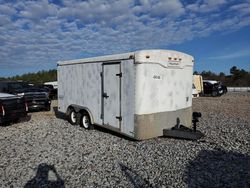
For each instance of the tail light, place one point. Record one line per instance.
(26, 107)
(2, 111)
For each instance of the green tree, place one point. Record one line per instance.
(195, 73)
(37, 78)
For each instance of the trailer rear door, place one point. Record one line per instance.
(111, 95)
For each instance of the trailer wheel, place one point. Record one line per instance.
(85, 121)
(72, 117)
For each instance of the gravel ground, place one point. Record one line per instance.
(49, 152)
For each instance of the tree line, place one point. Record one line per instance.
(36, 78)
(237, 78)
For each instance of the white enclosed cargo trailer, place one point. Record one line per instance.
(138, 94)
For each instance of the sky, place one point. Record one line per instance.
(34, 35)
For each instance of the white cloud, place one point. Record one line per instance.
(237, 54)
(42, 33)
(7, 10)
(173, 8)
(95, 10)
(35, 11)
(4, 20)
(243, 8)
(206, 5)
(166, 7)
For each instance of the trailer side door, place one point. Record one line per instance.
(111, 95)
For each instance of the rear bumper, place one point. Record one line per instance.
(34, 105)
(152, 125)
(12, 116)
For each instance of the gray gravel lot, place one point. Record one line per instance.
(49, 152)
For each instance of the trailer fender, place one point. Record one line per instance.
(78, 109)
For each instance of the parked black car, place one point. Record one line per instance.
(49, 89)
(224, 88)
(212, 88)
(36, 98)
(12, 108)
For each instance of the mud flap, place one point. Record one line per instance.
(183, 133)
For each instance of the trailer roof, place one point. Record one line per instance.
(139, 57)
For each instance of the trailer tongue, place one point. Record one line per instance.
(182, 132)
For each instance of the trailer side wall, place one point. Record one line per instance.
(80, 84)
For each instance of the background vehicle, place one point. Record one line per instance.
(36, 98)
(12, 108)
(212, 87)
(54, 84)
(49, 89)
(224, 88)
(198, 82)
(194, 92)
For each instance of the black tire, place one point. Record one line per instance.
(85, 121)
(214, 93)
(73, 117)
(16, 120)
(48, 108)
